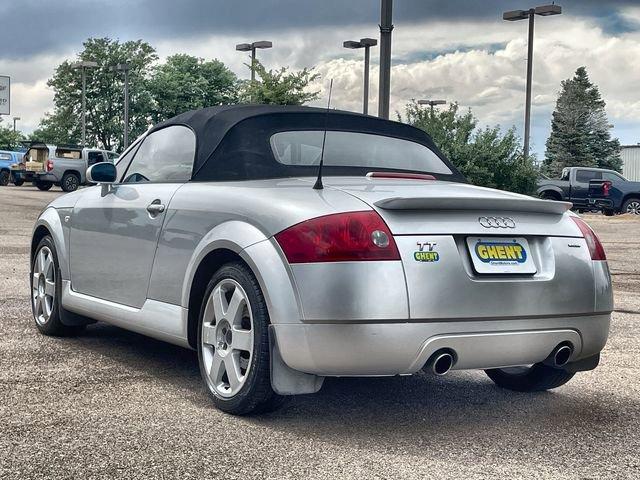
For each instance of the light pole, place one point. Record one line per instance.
(252, 47)
(386, 26)
(432, 103)
(124, 67)
(365, 43)
(512, 16)
(83, 68)
(15, 119)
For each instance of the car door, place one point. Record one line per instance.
(114, 232)
(580, 187)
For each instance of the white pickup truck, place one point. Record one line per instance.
(65, 166)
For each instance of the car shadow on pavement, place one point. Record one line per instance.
(413, 408)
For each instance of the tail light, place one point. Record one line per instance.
(342, 237)
(593, 242)
(49, 165)
(606, 186)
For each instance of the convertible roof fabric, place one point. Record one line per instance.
(232, 141)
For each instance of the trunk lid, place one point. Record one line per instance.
(445, 220)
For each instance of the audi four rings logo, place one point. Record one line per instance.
(497, 222)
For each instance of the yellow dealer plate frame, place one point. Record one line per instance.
(501, 255)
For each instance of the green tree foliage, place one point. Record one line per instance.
(487, 157)
(186, 83)
(9, 139)
(105, 94)
(580, 133)
(279, 87)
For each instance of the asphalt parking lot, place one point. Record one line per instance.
(112, 403)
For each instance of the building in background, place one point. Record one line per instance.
(631, 162)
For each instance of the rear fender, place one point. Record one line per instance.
(263, 256)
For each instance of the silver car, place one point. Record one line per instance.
(290, 244)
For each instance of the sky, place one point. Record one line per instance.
(453, 50)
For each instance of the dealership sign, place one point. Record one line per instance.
(5, 95)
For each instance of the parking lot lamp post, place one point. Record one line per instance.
(432, 103)
(365, 43)
(15, 119)
(83, 68)
(124, 67)
(384, 87)
(514, 15)
(252, 47)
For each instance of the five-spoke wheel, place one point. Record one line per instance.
(227, 338)
(233, 342)
(43, 285)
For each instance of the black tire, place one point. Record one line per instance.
(536, 378)
(4, 178)
(52, 326)
(44, 186)
(18, 183)
(608, 212)
(256, 395)
(631, 202)
(70, 182)
(549, 196)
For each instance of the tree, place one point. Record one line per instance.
(9, 139)
(104, 96)
(485, 156)
(186, 83)
(580, 133)
(279, 87)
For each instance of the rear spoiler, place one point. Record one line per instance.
(515, 204)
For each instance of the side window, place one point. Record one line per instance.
(612, 177)
(124, 161)
(584, 176)
(94, 157)
(165, 156)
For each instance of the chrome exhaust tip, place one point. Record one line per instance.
(440, 362)
(560, 355)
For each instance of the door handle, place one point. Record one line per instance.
(155, 208)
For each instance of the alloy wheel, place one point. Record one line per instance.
(43, 286)
(227, 338)
(634, 207)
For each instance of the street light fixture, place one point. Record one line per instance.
(432, 103)
(15, 119)
(124, 67)
(252, 47)
(365, 43)
(82, 66)
(514, 15)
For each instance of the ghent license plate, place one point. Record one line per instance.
(503, 255)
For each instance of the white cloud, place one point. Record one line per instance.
(483, 67)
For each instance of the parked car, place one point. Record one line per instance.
(64, 166)
(7, 159)
(215, 231)
(597, 188)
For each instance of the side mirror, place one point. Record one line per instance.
(102, 172)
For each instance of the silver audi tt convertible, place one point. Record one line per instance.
(290, 244)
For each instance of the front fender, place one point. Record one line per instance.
(262, 255)
(53, 220)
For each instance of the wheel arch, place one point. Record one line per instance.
(240, 241)
(49, 224)
(629, 196)
(556, 192)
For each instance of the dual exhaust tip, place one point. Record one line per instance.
(441, 361)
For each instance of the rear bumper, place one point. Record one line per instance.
(376, 349)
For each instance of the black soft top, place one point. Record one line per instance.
(232, 141)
